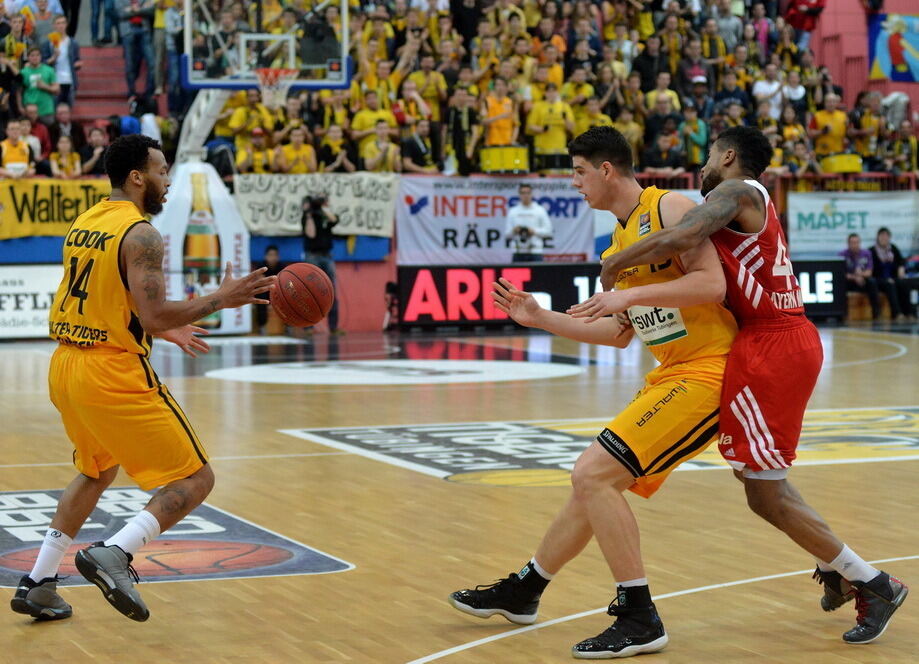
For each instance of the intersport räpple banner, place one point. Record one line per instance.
(819, 223)
(460, 221)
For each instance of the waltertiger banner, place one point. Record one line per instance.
(272, 204)
(893, 47)
(40, 206)
(819, 223)
(461, 221)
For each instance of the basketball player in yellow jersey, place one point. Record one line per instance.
(115, 409)
(675, 309)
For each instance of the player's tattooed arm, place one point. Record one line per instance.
(728, 201)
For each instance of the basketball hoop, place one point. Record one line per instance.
(274, 83)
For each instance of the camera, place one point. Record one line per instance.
(314, 204)
(524, 234)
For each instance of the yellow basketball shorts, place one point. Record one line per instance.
(117, 412)
(673, 418)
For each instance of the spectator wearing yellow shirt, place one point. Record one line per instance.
(258, 157)
(828, 128)
(16, 157)
(592, 117)
(867, 126)
(333, 111)
(901, 151)
(516, 28)
(65, 163)
(556, 71)
(524, 63)
(499, 116)
(467, 81)
(663, 89)
(801, 162)
(246, 118)
(378, 29)
(632, 131)
(380, 155)
(363, 126)
(486, 61)
(297, 157)
(577, 91)
(790, 129)
(550, 123)
(433, 89)
(694, 132)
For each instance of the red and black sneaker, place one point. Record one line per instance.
(836, 590)
(876, 602)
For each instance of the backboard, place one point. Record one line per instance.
(222, 49)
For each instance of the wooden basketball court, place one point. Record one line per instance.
(407, 513)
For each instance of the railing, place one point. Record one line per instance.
(780, 185)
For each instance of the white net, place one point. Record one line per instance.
(275, 83)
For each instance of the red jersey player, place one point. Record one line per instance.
(772, 367)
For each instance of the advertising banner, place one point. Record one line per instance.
(43, 206)
(893, 47)
(202, 230)
(438, 295)
(272, 204)
(820, 222)
(461, 221)
(26, 294)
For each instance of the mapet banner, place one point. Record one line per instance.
(819, 223)
(46, 206)
(893, 47)
(461, 221)
(202, 231)
(272, 204)
(26, 294)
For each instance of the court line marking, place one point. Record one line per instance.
(583, 614)
(292, 455)
(901, 350)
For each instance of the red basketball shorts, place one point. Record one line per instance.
(770, 374)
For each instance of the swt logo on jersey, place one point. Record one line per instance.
(657, 325)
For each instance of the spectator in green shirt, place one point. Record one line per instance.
(39, 86)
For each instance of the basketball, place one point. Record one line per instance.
(303, 295)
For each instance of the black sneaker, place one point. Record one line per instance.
(637, 630)
(40, 600)
(876, 601)
(505, 597)
(836, 590)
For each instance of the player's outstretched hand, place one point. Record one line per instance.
(186, 339)
(237, 292)
(517, 304)
(599, 305)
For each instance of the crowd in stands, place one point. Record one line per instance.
(447, 85)
(461, 86)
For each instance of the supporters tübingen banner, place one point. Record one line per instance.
(42, 206)
(461, 221)
(819, 223)
(273, 204)
(893, 47)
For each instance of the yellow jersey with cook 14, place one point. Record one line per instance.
(673, 335)
(93, 306)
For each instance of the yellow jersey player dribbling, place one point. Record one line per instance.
(114, 408)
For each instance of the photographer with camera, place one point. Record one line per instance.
(317, 222)
(527, 226)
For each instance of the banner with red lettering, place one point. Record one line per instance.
(461, 221)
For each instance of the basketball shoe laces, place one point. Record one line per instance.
(499, 585)
(861, 607)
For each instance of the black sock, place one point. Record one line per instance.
(531, 581)
(635, 597)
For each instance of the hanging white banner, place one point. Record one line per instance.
(272, 204)
(819, 223)
(194, 261)
(461, 221)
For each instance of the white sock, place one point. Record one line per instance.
(50, 555)
(633, 583)
(822, 566)
(539, 570)
(140, 530)
(852, 567)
